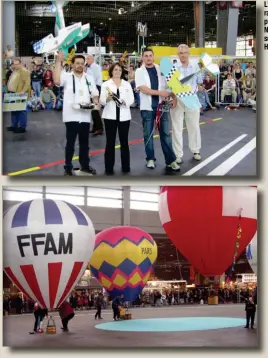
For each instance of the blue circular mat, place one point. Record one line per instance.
(173, 324)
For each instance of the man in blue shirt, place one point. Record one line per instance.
(153, 90)
(203, 99)
(117, 301)
(181, 113)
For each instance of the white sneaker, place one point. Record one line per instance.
(174, 166)
(178, 160)
(197, 156)
(150, 164)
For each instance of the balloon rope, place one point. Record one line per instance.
(238, 237)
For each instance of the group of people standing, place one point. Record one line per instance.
(116, 96)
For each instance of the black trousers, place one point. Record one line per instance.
(111, 127)
(74, 129)
(98, 313)
(250, 318)
(37, 320)
(97, 122)
(96, 118)
(116, 312)
(66, 320)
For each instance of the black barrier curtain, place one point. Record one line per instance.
(169, 23)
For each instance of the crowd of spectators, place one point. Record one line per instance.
(237, 83)
(87, 300)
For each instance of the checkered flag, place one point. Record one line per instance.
(172, 71)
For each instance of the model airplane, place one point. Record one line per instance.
(66, 37)
(179, 86)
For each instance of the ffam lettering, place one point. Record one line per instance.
(65, 246)
(146, 251)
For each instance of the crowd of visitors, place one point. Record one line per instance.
(90, 300)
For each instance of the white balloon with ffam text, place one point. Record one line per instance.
(47, 246)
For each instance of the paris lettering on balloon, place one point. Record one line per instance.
(64, 247)
(146, 251)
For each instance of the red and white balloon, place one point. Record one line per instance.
(202, 222)
(47, 246)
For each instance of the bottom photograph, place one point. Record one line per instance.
(130, 267)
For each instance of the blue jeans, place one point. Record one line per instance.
(19, 118)
(148, 118)
(36, 85)
(48, 106)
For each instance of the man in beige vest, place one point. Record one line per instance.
(19, 82)
(181, 113)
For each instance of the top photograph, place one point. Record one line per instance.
(129, 89)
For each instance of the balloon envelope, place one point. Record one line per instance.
(47, 245)
(252, 254)
(123, 260)
(202, 222)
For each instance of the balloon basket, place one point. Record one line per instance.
(213, 300)
(125, 314)
(51, 326)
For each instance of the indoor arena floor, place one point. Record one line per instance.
(85, 331)
(228, 147)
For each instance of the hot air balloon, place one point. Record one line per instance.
(203, 223)
(123, 260)
(252, 254)
(47, 245)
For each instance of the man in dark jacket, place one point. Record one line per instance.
(66, 314)
(38, 316)
(250, 312)
(117, 302)
(99, 304)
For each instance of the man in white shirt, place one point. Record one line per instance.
(250, 70)
(153, 90)
(9, 52)
(180, 112)
(95, 71)
(78, 88)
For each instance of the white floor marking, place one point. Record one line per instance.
(231, 162)
(214, 156)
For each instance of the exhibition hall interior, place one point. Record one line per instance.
(216, 138)
(178, 263)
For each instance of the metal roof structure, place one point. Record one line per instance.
(169, 23)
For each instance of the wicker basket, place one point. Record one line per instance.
(51, 326)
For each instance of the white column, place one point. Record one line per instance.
(9, 24)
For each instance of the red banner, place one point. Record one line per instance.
(192, 273)
(222, 4)
(238, 4)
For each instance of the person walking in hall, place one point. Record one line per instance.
(66, 314)
(94, 70)
(78, 88)
(99, 304)
(19, 82)
(116, 117)
(36, 78)
(181, 113)
(153, 90)
(116, 303)
(250, 309)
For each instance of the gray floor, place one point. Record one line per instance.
(83, 333)
(44, 143)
